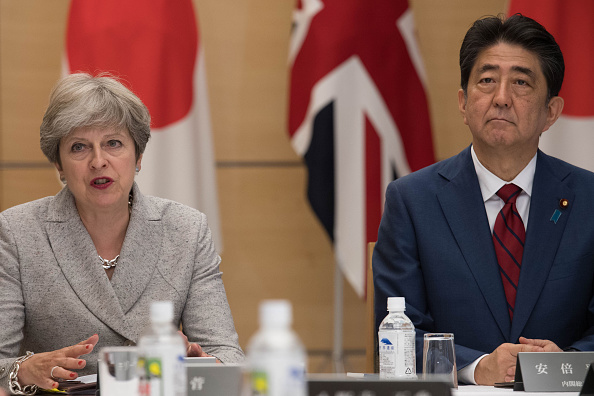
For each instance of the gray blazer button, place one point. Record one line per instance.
(129, 343)
(2, 370)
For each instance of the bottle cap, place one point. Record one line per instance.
(396, 304)
(162, 311)
(275, 313)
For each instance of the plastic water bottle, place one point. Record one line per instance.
(275, 356)
(396, 338)
(161, 353)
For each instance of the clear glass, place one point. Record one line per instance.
(439, 358)
(117, 371)
(396, 339)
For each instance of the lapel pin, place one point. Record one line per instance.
(555, 216)
(563, 204)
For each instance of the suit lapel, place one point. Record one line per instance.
(464, 209)
(542, 237)
(77, 257)
(140, 252)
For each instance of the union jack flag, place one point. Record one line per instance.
(358, 114)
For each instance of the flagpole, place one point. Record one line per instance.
(337, 351)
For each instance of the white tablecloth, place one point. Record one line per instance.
(471, 390)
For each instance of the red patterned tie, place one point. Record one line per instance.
(509, 236)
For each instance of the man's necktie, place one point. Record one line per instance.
(509, 236)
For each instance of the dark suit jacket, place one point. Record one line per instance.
(435, 248)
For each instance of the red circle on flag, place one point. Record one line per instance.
(151, 48)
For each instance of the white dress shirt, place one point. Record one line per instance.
(490, 184)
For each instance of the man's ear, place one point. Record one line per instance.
(462, 104)
(554, 109)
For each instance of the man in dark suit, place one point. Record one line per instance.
(504, 274)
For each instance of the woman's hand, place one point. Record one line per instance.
(193, 349)
(37, 370)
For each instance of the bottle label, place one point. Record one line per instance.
(259, 381)
(154, 381)
(278, 376)
(154, 370)
(397, 354)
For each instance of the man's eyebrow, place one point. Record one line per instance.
(524, 70)
(487, 67)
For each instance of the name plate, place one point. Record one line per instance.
(213, 379)
(375, 387)
(552, 371)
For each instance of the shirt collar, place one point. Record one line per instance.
(490, 184)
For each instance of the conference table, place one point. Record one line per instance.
(462, 390)
(476, 390)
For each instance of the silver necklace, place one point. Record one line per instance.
(107, 264)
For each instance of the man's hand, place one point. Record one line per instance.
(500, 365)
(546, 345)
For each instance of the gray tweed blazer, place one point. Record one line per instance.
(54, 292)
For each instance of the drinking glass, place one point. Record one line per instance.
(118, 372)
(439, 358)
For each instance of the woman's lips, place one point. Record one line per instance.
(101, 183)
